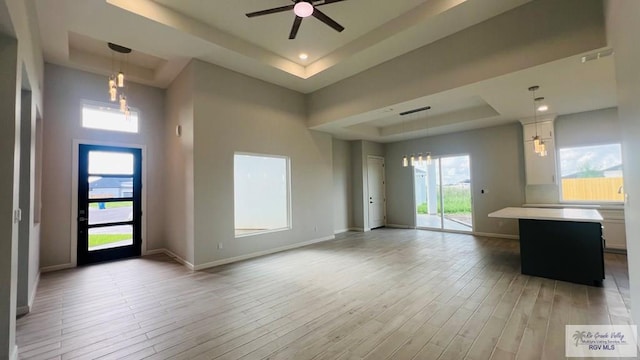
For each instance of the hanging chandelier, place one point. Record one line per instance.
(539, 146)
(116, 80)
(412, 160)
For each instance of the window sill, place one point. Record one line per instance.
(262, 232)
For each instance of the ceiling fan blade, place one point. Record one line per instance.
(295, 27)
(270, 11)
(327, 2)
(327, 20)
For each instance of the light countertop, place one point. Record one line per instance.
(558, 214)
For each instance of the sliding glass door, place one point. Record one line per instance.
(443, 194)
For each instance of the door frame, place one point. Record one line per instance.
(384, 191)
(74, 192)
(473, 211)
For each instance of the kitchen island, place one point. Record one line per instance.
(561, 244)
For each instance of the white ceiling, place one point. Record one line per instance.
(166, 34)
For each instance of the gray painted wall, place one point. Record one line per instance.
(9, 182)
(342, 186)
(587, 128)
(234, 112)
(178, 166)
(622, 20)
(497, 166)
(357, 194)
(65, 89)
(21, 63)
(29, 232)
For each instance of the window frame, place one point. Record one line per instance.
(561, 199)
(107, 106)
(287, 188)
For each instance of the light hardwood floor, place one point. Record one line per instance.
(386, 294)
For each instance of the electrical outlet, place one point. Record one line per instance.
(17, 215)
(315, 228)
(219, 245)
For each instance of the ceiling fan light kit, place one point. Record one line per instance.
(303, 9)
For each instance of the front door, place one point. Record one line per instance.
(109, 203)
(375, 184)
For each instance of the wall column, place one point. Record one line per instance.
(9, 177)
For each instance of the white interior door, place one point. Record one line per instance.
(375, 187)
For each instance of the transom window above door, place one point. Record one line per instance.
(106, 118)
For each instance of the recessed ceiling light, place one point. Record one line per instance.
(303, 56)
(543, 108)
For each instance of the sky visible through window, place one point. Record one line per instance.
(576, 160)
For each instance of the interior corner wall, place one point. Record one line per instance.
(178, 171)
(342, 186)
(497, 167)
(533, 34)
(65, 90)
(622, 21)
(237, 113)
(357, 194)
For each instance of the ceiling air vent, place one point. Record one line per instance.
(596, 55)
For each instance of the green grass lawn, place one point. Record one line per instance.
(102, 239)
(456, 201)
(113, 205)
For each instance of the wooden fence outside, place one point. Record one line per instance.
(596, 189)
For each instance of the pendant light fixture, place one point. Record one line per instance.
(412, 158)
(117, 80)
(538, 144)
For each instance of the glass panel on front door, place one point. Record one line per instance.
(109, 203)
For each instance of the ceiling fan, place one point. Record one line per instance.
(303, 9)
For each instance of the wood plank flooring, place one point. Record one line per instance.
(386, 294)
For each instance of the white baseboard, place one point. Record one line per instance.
(23, 310)
(336, 232)
(501, 236)
(261, 253)
(47, 269)
(171, 254)
(398, 226)
(34, 289)
(356, 229)
(155, 252)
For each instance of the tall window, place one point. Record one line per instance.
(106, 118)
(261, 194)
(591, 173)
